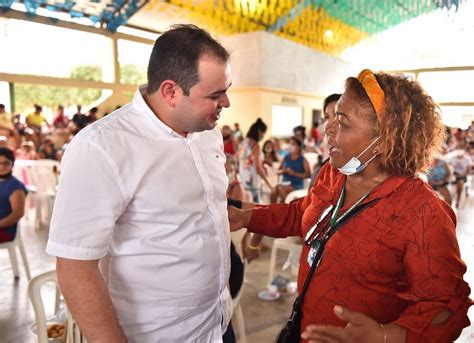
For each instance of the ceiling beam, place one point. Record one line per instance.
(19, 15)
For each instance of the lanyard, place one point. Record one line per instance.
(334, 219)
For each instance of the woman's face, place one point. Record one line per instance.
(349, 133)
(6, 165)
(329, 115)
(294, 147)
(268, 147)
(330, 112)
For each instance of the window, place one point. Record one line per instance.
(49, 97)
(133, 59)
(457, 116)
(285, 118)
(37, 49)
(5, 95)
(448, 86)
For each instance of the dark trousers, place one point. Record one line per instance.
(229, 336)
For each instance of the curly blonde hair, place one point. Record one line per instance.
(410, 125)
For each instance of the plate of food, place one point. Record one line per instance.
(268, 295)
(56, 331)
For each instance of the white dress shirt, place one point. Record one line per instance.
(151, 205)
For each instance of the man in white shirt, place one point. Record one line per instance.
(140, 220)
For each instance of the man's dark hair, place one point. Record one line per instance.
(2, 106)
(176, 54)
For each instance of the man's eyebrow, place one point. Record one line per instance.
(220, 91)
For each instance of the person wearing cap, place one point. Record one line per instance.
(390, 269)
(12, 197)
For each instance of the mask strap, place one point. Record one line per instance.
(376, 139)
(370, 160)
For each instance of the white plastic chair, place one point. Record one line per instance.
(43, 178)
(21, 170)
(273, 177)
(291, 244)
(17, 243)
(34, 291)
(312, 158)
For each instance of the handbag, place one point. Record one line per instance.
(291, 331)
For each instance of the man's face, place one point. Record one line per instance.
(200, 110)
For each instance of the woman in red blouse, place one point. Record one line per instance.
(393, 272)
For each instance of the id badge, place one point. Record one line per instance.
(313, 251)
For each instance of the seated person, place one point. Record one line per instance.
(438, 178)
(27, 151)
(295, 168)
(48, 151)
(461, 164)
(12, 197)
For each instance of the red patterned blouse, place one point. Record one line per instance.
(397, 261)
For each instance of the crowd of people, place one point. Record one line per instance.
(34, 137)
(142, 218)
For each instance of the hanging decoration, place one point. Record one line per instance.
(326, 25)
(109, 14)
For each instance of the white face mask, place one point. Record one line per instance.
(354, 166)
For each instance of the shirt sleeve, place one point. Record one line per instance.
(284, 220)
(435, 271)
(89, 201)
(278, 220)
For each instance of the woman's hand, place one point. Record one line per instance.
(359, 328)
(249, 252)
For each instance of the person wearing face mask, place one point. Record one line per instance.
(329, 110)
(12, 197)
(251, 162)
(380, 259)
(251, 173)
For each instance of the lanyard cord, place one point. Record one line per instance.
(334, 219)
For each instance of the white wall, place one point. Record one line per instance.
(266, 60)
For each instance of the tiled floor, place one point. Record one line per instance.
(263, 319)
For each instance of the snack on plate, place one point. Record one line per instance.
(55, 330)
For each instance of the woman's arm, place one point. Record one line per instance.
(434, 269)
(17, 203)
(448, 172)
(259, 166)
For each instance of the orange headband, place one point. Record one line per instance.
(373, 90)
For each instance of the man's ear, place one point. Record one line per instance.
(169, 90)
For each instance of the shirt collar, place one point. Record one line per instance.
(330, 185)
(139, 103)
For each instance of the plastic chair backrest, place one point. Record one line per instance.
(296, 194)
(34, 291)
(312, 158)
(21, 170)
(44, 175)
